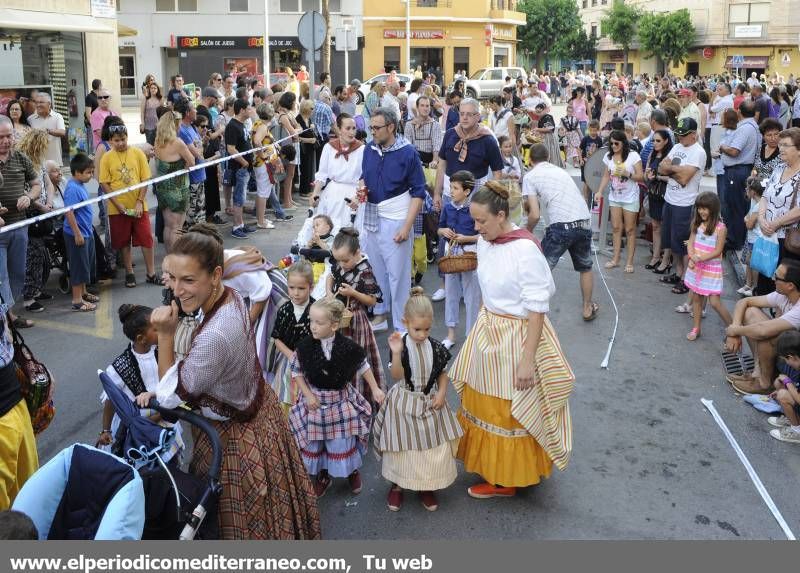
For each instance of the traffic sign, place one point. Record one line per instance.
(708, 53)
(346, 39)
(311, 30)
(737, 60)
(785, 59)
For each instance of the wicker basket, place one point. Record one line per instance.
(461, 263)
(347, 315)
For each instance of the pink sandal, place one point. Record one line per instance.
(693, 334)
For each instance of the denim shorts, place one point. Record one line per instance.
(558, 240)
(241, 177)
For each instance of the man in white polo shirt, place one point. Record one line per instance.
(52, 122)
(550, 188)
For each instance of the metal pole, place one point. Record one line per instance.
(346, 55)
(311, 94)
(408, 36)
(267, 66)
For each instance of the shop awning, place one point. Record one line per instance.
(124, 31)
(33, 20)
(747, 62)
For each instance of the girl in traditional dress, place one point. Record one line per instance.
(511, 375)
(415, 432)
(331, 419)
(292, 324)
(704, 275)
(545, 131)
(135, 372)
(572, 137)
(266, 493)
(354, 284)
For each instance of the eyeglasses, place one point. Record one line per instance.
(468, 114)
(615, 143)
(374, 128)
(103, 97)
(117, 129)
(776, 278)
(785, 146)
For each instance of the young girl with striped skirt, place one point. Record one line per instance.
(704, 275)
(354, 284)
(331, 419)
(415, 431)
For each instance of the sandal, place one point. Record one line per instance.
(83, 307)
(89, 297)
(629, 269)
(684, 308)
(670, 279)
(154, 280)
(593, 314)
(20, 322)
(611, 265)
(653, 265)
(693, 334)
(130, 280)
(680, 289)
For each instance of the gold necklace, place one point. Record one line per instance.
(125, 173)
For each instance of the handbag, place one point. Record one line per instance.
(36, 383)
(792, 241)
(764, 257)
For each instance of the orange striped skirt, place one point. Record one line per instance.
(486, 368)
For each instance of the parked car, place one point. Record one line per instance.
(488, 82)
(363, 91)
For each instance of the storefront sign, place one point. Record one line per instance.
(708, 53)
(746, 61)
(487, 35)
(415, 34)
(749, 31)
(504, 33)
(104, 9)
(617, 57)
(205, 42)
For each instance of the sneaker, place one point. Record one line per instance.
(34, 307)
(238, 234)
(438, 295)
(394, 501)
(43, 296)
(267, 225)
(322, 484)
(249, 229)
(285, 219)
(429, 501)
(379, 324)
(487, 490)
(786, 434)
(447, 343)
(217, 220)
(746, 293)
(354, 479)
(417, 278)
(778, 421)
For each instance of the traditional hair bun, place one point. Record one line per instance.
(498, 189)
(206, 229)
(350, 231)
(126, 310)
(417, 291)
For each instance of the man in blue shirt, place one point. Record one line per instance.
(196, 211)
(738, 158)
(392, 173)
(452, 113)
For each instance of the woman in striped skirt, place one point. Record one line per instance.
(511, 374)
(415, 431)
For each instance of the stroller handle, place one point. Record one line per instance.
(204, 425)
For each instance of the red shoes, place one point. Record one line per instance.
(429, 500)
(487, 490)
(394, 501)
(354, 479)
(322, 484)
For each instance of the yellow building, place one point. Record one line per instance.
(451, 34)
(730, 35)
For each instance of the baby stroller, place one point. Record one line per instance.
(87, 493)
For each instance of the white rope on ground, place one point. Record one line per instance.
(107, 196)
(752, 472)
(607, 357)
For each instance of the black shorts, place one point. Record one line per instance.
(675, 226)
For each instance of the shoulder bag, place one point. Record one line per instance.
(36, 383)
(792, 241)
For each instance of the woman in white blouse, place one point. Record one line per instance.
(511, 375)
(340, 167)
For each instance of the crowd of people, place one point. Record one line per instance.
(286, 363)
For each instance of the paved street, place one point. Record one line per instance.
(648, 462)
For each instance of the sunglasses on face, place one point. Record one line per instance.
(117, 129)
(103, 97)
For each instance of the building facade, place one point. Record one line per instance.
(198, 37)
(452, 35)
(730, 35)
(58, 46)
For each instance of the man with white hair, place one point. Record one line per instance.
(52, 122)
(100, 114)
(645, 109)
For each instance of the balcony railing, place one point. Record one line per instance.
(431, 3)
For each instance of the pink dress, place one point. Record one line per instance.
(706, 276)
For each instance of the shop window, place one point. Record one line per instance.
(176, 5)
(238, 6)
(127, 74)
(391, 57)
(461, 60)
(289, 6)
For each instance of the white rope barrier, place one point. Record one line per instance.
(134, 187)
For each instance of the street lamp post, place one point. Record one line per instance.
(408, 34)
(267, 66)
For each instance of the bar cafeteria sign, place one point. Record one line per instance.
(198, 42)
(415, 34)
